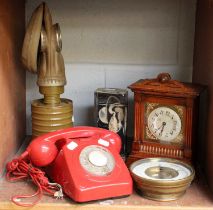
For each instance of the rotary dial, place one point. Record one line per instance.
(164, 123)
(97, 160)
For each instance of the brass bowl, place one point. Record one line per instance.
(160, 179)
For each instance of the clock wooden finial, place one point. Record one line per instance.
(164, 77)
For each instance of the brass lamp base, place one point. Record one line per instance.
(51, 117)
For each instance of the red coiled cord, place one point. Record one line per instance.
(19, 169)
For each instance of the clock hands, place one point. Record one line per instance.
(157, 129)
(163, 125)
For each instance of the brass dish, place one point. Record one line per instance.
(161, 179)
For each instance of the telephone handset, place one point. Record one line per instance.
(43, 150)
(85, 161)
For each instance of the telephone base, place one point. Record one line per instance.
(81, 180)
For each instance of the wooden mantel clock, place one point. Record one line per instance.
(165, 118)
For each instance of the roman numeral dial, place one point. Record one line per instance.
(164, 123)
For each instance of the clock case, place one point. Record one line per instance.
(163, 91)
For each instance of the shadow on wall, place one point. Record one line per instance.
(143, 32)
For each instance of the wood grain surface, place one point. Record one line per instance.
(203, 73)
(12, 78)
(196, 197)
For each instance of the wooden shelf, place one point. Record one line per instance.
(196, 197)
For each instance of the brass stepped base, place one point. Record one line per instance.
(47, 117)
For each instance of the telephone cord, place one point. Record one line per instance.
(19, 169)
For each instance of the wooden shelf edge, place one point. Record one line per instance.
(50, 206)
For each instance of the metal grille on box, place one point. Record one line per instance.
(111, 111)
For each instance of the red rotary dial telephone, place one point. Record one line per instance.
(85, 161)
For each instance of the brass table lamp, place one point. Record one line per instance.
(41, 54)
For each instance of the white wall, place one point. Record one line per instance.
(112, 43)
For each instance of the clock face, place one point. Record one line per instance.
(164, 123)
